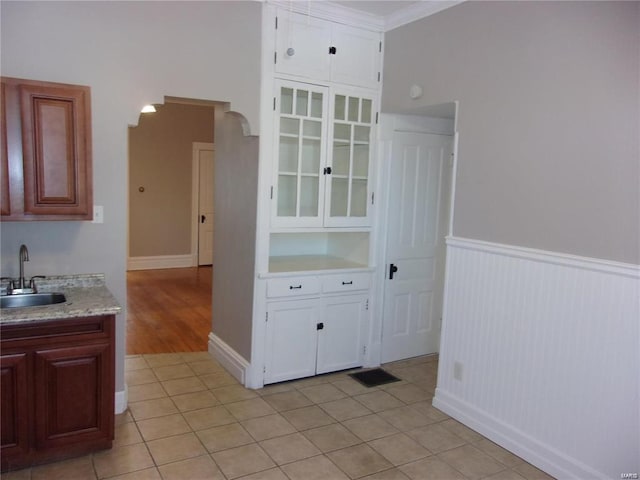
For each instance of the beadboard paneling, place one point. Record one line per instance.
(549, 350)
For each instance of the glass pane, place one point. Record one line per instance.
(339, 198)
(340, 162)
(287, 186)
(311, 128)
(309, 196)
(359, 198)
(361, 160)
(302, 101)
(354, 107)
(339, 113)
(310, 156)
(342, 131)
(288, 161)
(286, 100)
(366, 111)
(290, 126)
(361, 134)
(316, 105)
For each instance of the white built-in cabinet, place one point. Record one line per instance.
(312, 328)
(323, 154)
(321, 50)
(314, 289)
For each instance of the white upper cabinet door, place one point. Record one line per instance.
(300, 116)
(348, 191)
(302, 46)
(356, 60)
(325, 51)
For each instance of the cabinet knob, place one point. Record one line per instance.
(291, 51)
(332, 50)
(319, 326)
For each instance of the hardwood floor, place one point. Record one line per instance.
(169, 310)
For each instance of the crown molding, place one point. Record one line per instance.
(416, 12)
(333, 12)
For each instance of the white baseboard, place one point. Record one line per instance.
(231, 360)
(547, 459)
(121, 401)
(161, 261)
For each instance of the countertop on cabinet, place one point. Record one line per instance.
(86, 295)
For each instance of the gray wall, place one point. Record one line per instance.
(130, 54)
(548, 118)
(160, 161)
(234, 231)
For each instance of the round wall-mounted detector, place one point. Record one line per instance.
(415, 91)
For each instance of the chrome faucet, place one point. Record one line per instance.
(23, 256)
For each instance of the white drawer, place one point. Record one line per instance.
(292, 286)
(346, 282)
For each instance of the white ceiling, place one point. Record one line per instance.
(380, 8)
(395, 13)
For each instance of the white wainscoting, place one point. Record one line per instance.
(546, 351)
(161, 261)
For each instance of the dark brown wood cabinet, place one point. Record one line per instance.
(46, 151)
(57, 397)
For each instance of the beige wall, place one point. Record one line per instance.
(548, 118)
(160, 161)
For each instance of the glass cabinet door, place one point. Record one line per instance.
(300, 115)
(348, 186)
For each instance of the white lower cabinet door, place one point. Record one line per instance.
(341, 338)
(291, 340)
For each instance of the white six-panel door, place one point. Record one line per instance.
(418, 194)
(205, 207)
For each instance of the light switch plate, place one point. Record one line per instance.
(98, 214)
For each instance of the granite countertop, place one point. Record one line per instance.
(87, 295)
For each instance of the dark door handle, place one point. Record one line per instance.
(332, 50)
(202, 218)
(319, 326)
(392, 269)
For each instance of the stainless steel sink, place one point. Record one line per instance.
(31, 300)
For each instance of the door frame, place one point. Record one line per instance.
(195, 194)
(389, 123)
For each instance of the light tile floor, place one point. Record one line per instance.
(188, 419)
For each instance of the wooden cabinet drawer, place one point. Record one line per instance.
(346, 282)
(292, 286)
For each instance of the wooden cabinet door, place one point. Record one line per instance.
(5, 204)
(73, 395)
(341, 340)
(14, 405)
(290, 348)
(56, 150)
